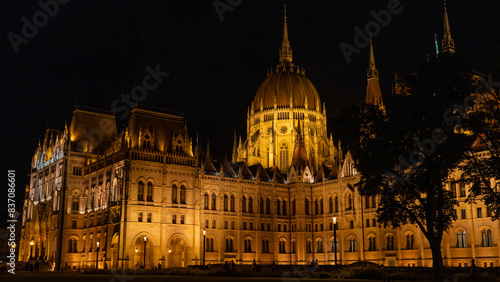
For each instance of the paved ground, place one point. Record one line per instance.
(56, 277)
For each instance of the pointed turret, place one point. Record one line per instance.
(373, 92)
(285, 50)
(448, 44)
(299, 158)
(235, 148)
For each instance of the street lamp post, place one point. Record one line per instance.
(145, 239)
(97, 257)
(32, 243)
(169, 258)
(204, 232)
(335, 239)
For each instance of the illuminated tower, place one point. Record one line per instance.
(448, 44)
(286, 97)
(373, 92)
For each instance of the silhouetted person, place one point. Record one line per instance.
(254, 266)
(473, 267)
(226, 267)
(233, 265)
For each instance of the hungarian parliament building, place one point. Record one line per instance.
(146, 196)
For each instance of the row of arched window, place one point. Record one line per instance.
(229, 204)
(282, 246)
(146, 193)
(281, 208)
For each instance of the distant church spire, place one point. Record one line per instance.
(285, 50)
(373, 92)
(448, 44)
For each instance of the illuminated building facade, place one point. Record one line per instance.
(103, 198)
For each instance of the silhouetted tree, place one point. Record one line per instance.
(408, 151)
(481, 168)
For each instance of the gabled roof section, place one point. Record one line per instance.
(259, 171)
(245, 172)
(348, 167)
(276, 174)
(227, 170)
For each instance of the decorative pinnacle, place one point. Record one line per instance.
(285, 50)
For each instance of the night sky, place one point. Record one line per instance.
(90, 52)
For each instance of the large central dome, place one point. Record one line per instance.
(286, 121)
(286, 87)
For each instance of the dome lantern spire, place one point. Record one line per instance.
(373, 92)
(448, 44)
(285, 50)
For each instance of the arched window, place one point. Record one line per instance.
(330, 204)
(316, 208)
(462, 188)
(453, 187)
(294, 207)
(390, 243)
(367, 202)
(243, 204)
(410, 239)
(336, 204)
(352, 245)
(72, 245)
(226, 204)
(206, 201)
(374, 202)
(349, 202)
(183, 195)
(372, 243)
(487, 240)
(284, 156)
(209, 245)
(294, 244)
(214, 202)
(461, 239)
(140, 191)
(321, 206)
(335, 246)
(248, 246)
(174, 194)
(250, 204)
(319, 246)
(306, 206)
(150, 192)
(278, 207)
(265, 246)
(282, 246)
(229, 245)
(283, 206)
(232, 203)
(268, 206)
(308, 246)
(261, 205)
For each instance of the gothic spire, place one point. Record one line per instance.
(448, 44)
(285, 50)
(373, 92)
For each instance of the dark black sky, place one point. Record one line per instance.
(92, 51)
